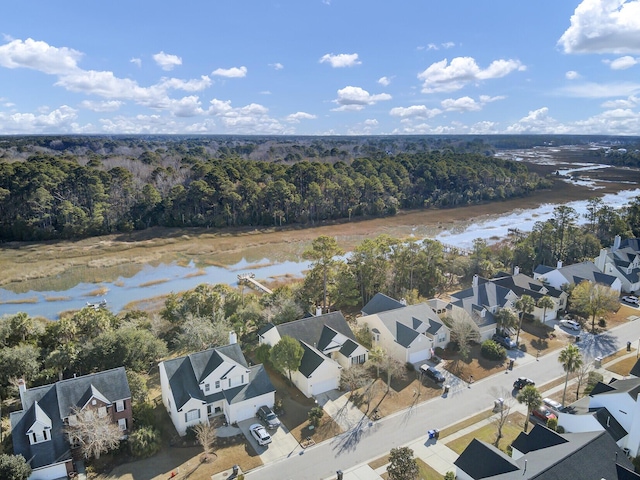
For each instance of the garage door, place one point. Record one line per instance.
(325, 386)
(420, 356)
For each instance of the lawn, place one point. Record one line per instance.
(475, 365)
(425, 472)
(511, 429)
(624, 366)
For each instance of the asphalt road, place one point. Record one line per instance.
(368, 441)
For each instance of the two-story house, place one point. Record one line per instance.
(38, 430)
(329, 346)
(217, 381)
(577, 273)
(622, 261)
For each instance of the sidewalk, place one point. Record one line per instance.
(440, 457)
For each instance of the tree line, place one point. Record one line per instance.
(63, 196)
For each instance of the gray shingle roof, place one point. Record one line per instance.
(186, 373)
(259, 384)
(58, 401)
(311, 360)
(310, 329)
(481, 460)
(635, 371)
(536, 439)
(523, 284)
(380, 303)
(403, 322)
(579, 272)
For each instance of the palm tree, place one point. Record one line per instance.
(531, 397)
(524, 305)
(506, 319)
(571, 360)
(545, 303)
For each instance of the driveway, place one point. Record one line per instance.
(283, 442)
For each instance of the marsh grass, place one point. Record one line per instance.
(98, 292)
(199, 273)
(20, 301)
(56, 299)
(153, 282)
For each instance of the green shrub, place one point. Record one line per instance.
(262, 353)
(592, 380)
(410, 367)
(552, 424)
(492, 351)
(315, 414)
(450, 476)
(143, 415)
(560, 429)
(602, 323)
(145, 442)
(636, 464)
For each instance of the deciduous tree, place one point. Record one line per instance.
(93, 431)
(594, 300)
(286, 355)
(402, 464)
(14, 467)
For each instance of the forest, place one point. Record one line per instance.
(68, 188)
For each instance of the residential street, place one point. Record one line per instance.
(371, 440)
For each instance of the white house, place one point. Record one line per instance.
(213, 382)
(408, 333)
(575, 274)
(614, 407)
(522, 284)
(622, 261)
(329, 346)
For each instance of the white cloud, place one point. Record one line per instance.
(193, 85)
(245, 120)
(372, 122)
(433, 46)
(603, 26)
(60, 120)
(107, 106)
(341, 60)
(356, 98)
(484, 128)
(601, 90)
(537, 121)
(296, 117)
(414, 111)
(166, 61)
(623, 63)
(39, 56)
(233, 72)
(136, 61)
(572, 75)
(384, 81)
(447, 77)
(630, 102)
(462, 104)
(276, 66)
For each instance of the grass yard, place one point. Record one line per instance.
(511, 429)
(475, 365)
(425, 472)
(624, 366)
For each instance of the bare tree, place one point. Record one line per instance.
(582, 375)
(354, 377)
(394, 369)
(463, 330)
(503, 404)
(206, 436)
(93, 431)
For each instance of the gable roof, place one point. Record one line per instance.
(310, 330)
(587, 270)
(311, 360)
(186, 373)
(587, 455)
(635, 370)
(407, 323)
(630, 386)
(538, 438)
(522, 284)
(381, 303)
(57, 401)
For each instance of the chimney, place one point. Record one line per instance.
(233, 338)
(318, 311)
(616, 242)
(559, 264)
(516, 270)
(475, 280)
(22, 388)
(403, 301)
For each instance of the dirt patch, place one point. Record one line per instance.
(475, 366)
(538, 339)
(624, 366)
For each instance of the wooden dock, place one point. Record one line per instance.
(249, 279)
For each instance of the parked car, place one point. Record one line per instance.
(433, 373)
(543, 414)
(570, 324)
(506, 342)
(630, 299)
(552, 404)
(267, 416)
(260, 434)
(522, 382)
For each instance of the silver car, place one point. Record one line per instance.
(260, 434)
(570, 324)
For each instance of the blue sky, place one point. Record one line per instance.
(320, 67)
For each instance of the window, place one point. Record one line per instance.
(217, 384)
(102, 412)
(192, 415)
(39, 436)
(358, 360)
(119, 405)
(122, 424)
(93, 402)
(207, 387)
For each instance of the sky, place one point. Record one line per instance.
(320, 67)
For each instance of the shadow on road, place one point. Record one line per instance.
(350, 439)
(599, 345)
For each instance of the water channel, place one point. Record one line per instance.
(155, 281)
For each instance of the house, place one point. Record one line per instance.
(217, 381)
(329, 346)
(622, 261)
(612, 407)
(408, 333)
(38, 430)
(635, 370)
(522, 284)
(547, 455)
(575, 274)
(481, 302)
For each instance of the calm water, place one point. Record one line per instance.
(154, 281)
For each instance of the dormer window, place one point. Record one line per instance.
(39, 436)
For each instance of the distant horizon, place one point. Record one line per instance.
(320, 68)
